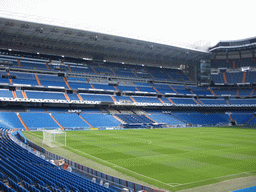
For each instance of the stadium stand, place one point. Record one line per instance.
(218, 78)
(53, 92)
(45, 95)
(213, 101)
(25, 171)
(101, 120)
(233, 63)
(146, 99)
(67, 120)
(167, 119)
(39, 121)
(93, 97)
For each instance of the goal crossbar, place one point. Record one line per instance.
(54, 138)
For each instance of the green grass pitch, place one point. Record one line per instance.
(171, 158)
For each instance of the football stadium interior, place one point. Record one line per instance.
(168, 118)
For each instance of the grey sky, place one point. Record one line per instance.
(162, 21)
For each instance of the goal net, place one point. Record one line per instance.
(54, 138)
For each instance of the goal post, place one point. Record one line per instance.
(54, 138)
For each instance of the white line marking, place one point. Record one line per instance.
(169, 184)
(114, 165)
(216, 178)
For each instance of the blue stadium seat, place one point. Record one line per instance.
(39, 121)
(36, 173)
(67, 120)
(45, 95)
(100, 120)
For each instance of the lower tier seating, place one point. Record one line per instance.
(100, 120)
(60, 118)
(39, 121)
(23, 171)
(166, 118)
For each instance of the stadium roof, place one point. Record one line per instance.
(54, 40)
(236, 49)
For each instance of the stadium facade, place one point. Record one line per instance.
(60, 78)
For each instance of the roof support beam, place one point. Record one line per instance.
(3, 32)
(226, 55)
(253, 53)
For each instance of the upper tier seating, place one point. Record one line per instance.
(163, 88)
(109, 69)
(146, 99)
(183, 101)
(126, 88)
(92, 97)
(165, 100)
(250, 77)
(72, 96)
(103, 70)
(47, 80)
(233, 91)
(124, 99)
(3, 80)
(19, 94)
(146, 89)
(104, 86)
(45, 95)
(242, 101)
(218, 78)
(32, 64)
(235, 77)
(76, 85)
(158, 74)
(123, 72)
(176, 75)
(233, 63)
(5, 93)
(224, 91)
(231, 77)
(181, 89)
(200, 90)
(245, 92)
(24, 78)
(214, 101)
(49, 96)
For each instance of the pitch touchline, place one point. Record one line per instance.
(169, 184)
(215, 178)
(121, 167)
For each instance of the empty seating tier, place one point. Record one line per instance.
(28, 172)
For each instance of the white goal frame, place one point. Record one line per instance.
(50, 138)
